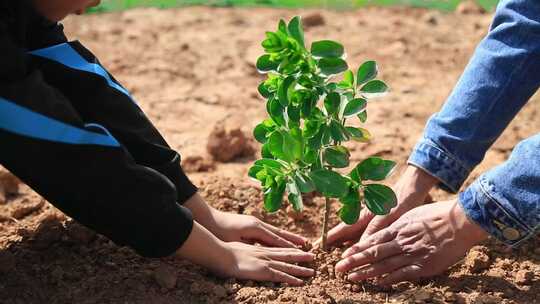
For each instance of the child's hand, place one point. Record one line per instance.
(232, 227)
(268, 264)
(245, 261)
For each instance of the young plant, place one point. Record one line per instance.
(307, 125)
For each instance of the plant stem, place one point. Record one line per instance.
(325, 223)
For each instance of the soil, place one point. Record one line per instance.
(192, 70)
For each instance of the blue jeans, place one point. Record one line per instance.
(500, 78)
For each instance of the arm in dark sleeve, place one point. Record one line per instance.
(100, 98)
(80, 167)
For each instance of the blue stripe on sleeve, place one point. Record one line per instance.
(21, 121)
(66, 55)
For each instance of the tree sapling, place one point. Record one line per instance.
(302, 138)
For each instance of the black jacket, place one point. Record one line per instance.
(70, 131)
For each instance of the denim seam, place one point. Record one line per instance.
(433, 144)
(528, 232)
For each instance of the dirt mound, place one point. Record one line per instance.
(226, 145)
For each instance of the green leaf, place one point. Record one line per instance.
(282, 27)
(349, 77)
(293, 112)
(311, 156)
(332, 102)
(362, 116)
(375, 168)
(254, 170)
(327, 48)
(295, 197)
(265, 64)
(366, 72)
(304, 182)
(311, 127)
(265, 151)
(272, 163)
(354, 107)
(263, 90)
(283, 90)
(359, 134)
(272, 43)
(374, 87)
(276, 111)
(296, 31)
(316, 141)
(293, 143)
(260, 133)
(337, 157)
(337, 131)
(332, 66)
(380, 199)
(273, 197)
(349, 214)
(329, 183)
(350, 211)
(275, 146)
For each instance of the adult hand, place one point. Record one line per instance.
(423, 242)
(411, 189)
(230, 227)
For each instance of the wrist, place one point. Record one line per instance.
(421, 180)
(471, 232)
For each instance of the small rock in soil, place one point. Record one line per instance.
(477, 260)
(9, 184)
(422, 295)
(227, 145)
(524, 277)
(7, 262)
(469, 7)
(192, 164)
(219, 291)
(49, 231)
(313, 20)
(165, 276)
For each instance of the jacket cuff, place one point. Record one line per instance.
(440, 164)
(173, 171)
(493, 216)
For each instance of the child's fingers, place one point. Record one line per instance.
(269, 238)
(290, 256)
(281, 277)
(296, 239)
(295, 270)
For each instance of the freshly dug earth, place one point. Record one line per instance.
(192, 70)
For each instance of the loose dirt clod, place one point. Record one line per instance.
(524, 277)
(9, 184)
(198, 164)
(469, 7)
(313, 20)
(165, 276)
(227, 145)
(26, 208)
(80, 233)
(477, 260)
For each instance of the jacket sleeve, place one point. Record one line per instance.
(498, 81)
(79, 166)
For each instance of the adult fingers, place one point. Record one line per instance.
(380, 268)
(407, 273)
(369, 256)
(295, 270)
(292, 237)
(380, 237)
